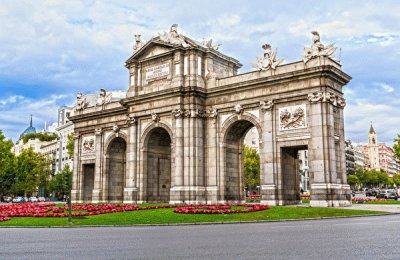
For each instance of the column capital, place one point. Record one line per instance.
(131, 120)
(266, 105)
(98, 131)
(326, 97)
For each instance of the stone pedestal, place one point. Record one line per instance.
(130, 195)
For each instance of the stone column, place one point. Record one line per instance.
(211, 157)
(97, 191)
(325, 191)
(267, 169)
(177, 190)
(130, 190)
(76, 192)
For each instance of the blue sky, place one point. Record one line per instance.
(50, 50)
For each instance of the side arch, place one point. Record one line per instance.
(234, 118)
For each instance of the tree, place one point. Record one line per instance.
(59, 185)
(70, 146)
(7, 165)
(32, 172)
(383, 177)
(396, 179)
(251, 168)
(353, 180)
(396, 146)
(43, 137)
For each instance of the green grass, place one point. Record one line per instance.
(167, 216)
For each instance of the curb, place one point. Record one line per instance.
(207, 223)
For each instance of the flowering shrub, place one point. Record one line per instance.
(219, 209)
(257, 196)
(369, 199)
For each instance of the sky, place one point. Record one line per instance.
(51, 50)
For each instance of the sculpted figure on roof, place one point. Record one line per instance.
(318, 49)
(173, 37)
(268, 61)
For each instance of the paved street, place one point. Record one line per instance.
(348, 238)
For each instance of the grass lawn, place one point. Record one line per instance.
(167, 216)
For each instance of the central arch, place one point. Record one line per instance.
(158, 157)
(233, 179)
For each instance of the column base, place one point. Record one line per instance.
(330, 195)
(130, 195)
(96, 195)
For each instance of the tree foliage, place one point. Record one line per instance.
(43, 137)
(32, 171)
(396, 179)
(251, 168)
(372, 177)
(70, 145)
(59, 184)
(7, 165)
(353, 180)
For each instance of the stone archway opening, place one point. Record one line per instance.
(88, 181)
(234, 181)
(116, 169)
(158, 166)
(292, 165)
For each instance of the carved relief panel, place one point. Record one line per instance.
(292, 117)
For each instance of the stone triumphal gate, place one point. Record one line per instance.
(178, 135)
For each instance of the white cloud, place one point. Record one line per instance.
(385, 87)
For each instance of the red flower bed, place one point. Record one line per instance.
(46, 210)
(368, 199)
(253, 196)
(219, 209)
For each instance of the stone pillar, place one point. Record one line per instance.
(325, 190)
(267, 170)
(222, 171)
(130, 190)
(177, 190)
(97, 191)
(211, 154)
(76, 193)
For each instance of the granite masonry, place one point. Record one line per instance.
(178, 135)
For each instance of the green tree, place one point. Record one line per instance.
(353, 180)
(70, 145)
(32, 172)
(396, 179)
(43, 137)
(7, 164)
(396, 146)
(59, 184)
(383, 177)
(251, 168)
(361, 174)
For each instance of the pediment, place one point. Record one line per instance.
(150, 49)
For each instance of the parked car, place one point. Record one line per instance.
(33, 199)
(371, 192)
(387, 194)
(18, 200)
(7, 199)
(41, 199)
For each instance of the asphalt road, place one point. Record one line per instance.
(374, 237)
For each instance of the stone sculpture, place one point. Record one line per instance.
(173, 37)
(81, 102)
(139, 43)
(103, 97)
(268, 61)
(317, 49)
(88, 144)
(292, 120)
(209, 45)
